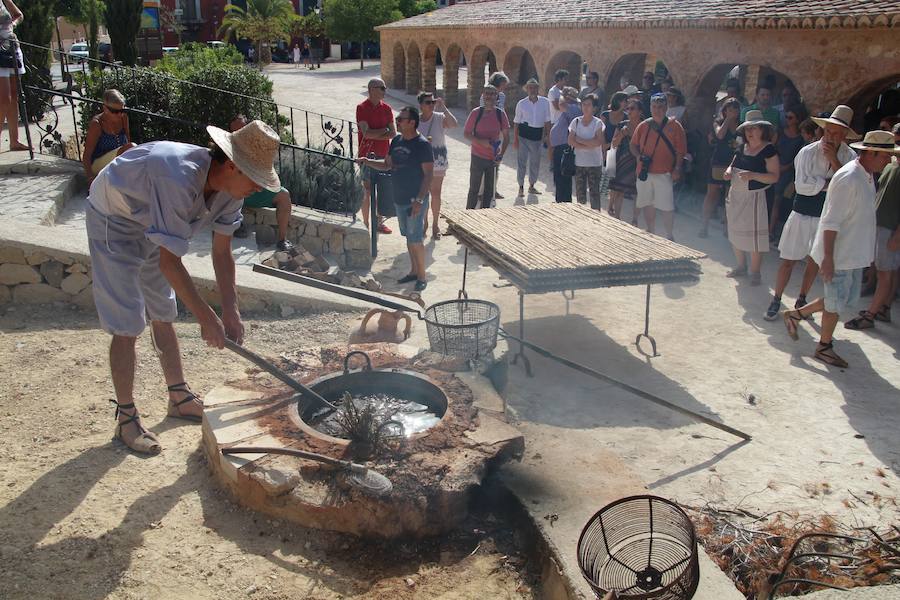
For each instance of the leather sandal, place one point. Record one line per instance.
(865, 320)
(791, 319)
(826, 353)
(146, 442)
(174, 410)
(884, 314)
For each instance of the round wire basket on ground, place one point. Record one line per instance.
(463, 328)
(640, 547)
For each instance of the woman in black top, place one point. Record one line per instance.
(624, 184)
(754, 168)
(722, 140)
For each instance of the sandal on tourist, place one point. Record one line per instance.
(146, 442)
(865, 320)
(755, 278)
(408, 278)
(884, 314)
(826, 353)
(772, 311)
(174, 407)
(791, 319)
(737, 272)
(436, 233)
(533, 190)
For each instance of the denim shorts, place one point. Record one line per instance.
(843, 290)
(412, 228)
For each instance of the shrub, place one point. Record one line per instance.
(322, 181)
(193, 56)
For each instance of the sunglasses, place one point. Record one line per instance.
(427, 101)
(114, 111)
(399, 119)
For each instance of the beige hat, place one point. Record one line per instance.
(878, 141)
(754, 118)
(631, 90)
(843, 116)
(253, 149)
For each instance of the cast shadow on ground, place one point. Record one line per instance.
(561, 397)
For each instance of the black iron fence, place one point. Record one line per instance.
(320, 174)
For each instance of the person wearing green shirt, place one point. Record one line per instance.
(763, 104)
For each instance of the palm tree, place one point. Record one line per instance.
(264, 21)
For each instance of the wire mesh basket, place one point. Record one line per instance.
(463, 328)
(640, 547)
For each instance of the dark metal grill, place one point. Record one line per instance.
(463, 328)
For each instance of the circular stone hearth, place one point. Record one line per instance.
(433, 472)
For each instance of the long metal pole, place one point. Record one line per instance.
(630, 388)
(21, 101)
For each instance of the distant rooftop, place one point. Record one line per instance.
(769, 14)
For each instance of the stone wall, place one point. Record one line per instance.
(35, 276)
(342, 237)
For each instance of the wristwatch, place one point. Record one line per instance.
(417, 201)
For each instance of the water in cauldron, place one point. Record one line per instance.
(414, 416)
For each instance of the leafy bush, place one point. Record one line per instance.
(321, 181)
(195, 56)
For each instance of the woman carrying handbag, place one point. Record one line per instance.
(12, 64)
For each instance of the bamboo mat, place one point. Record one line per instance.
(552, 247)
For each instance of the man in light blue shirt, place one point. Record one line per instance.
(144, 208)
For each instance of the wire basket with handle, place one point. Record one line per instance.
(464, 328)
(640, 547)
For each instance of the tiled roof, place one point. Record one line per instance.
(742, 14)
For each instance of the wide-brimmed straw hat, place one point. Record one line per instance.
(878, 141)
(754, 118)
(843, 116)
(253, 149)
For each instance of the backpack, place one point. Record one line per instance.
(478, 118)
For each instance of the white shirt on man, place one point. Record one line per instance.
(812, 170)
(534, 114)
(585, 131)
(554, 94)
(850, 211)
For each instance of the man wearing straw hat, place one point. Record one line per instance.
(814, 166)
(143, 210)
(845, 240)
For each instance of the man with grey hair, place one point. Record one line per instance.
(532, 132)
(375, 121)
(500, 81)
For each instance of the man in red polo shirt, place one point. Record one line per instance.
(375, 120)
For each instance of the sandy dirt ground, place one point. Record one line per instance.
(81, 517)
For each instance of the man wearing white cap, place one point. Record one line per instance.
(845, 240)
(143, 210)
(814, 167)
(532, 120)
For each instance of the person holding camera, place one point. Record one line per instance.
(659, 145)
(624, 184)
(559, 143)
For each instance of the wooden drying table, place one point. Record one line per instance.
(565, 247)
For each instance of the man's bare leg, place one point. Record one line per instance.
(417, 260)
(282, 203)
(883, 292)
(121, 364)
(365, 203)
(809, 276)
(668, 219)
(650, 218)
(783, 277)
(170, 360)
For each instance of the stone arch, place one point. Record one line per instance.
(413, 69)
(481, 57)
(399, 71)
(884, 90)
(568, 60)
(453, 57)
(519, 66)
(630, 66)
(429, 67)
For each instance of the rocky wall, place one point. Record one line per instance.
(34, 276)
(345, 238)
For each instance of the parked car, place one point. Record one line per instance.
(170, 49)
(281, 55)
(78, 53)
(216, 44)
(104, 51)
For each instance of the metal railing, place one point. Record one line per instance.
(322, 174)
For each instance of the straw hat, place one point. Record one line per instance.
(878, 141)
(754, 118)
(631, 90)
(843, 116)
(253, 149)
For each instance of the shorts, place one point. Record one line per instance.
(885, 260)
(262, 199)
(843, 290)
(412, 228)
(9, 71)
(656, 192)
(128, 285)
(797, 236)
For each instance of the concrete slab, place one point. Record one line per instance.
(881, 592)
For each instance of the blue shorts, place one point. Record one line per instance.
(412, 228)
(843, 290)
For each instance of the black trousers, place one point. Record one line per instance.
(480, 168)
(563, 184)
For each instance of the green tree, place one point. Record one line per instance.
(411, 8)
(311, 25)
(86, 13)
(264, 21)
(37, 29)
(356, 20)
(123, 20)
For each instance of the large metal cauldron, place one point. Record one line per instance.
(399, 383)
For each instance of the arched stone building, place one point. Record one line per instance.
(833, 52)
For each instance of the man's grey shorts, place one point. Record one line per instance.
(843, 290)
(885, 260)
(128, 285)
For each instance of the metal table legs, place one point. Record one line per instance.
(646, 334)
(521, 353)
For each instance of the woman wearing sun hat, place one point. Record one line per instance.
(753, 169)
(143, 209)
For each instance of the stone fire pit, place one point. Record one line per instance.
(433, 472)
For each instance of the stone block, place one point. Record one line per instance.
(84, 298)
(5, 295)
(37, 257)
(74, 283)
(313, 244)
(76, 268)
(267, 216)
(38, 293)
(324, 231)
(249, 216)
(12, 274)
(336, 241)
(311, 230)
(357, 240)
(357, 259)
(266, 235)
(53, 272)
(10, 254)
